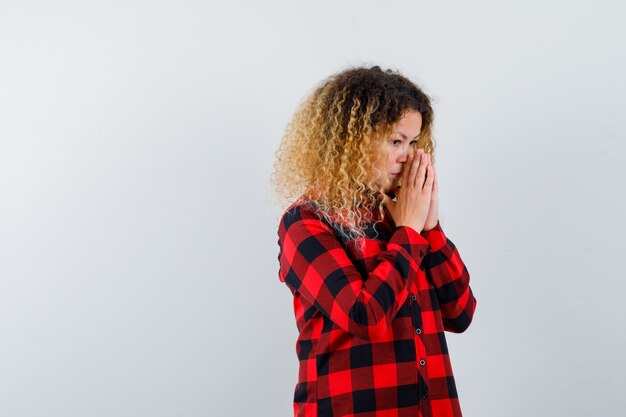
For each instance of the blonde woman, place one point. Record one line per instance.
(375, 280)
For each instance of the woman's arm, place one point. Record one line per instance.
(314, 263)
(447, 272)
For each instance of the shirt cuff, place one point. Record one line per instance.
(435, 236)
(410, 240)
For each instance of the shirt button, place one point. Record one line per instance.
(422, 362)
(424, 396)
(418, 331)
(413, 298)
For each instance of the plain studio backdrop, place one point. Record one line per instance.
(138, 230)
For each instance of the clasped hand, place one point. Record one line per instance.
(416, 204)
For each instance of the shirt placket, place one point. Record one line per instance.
(420, 348)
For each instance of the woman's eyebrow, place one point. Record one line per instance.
(404, 136)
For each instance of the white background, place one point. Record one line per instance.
(138, 245)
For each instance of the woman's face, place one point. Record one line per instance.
(398, 146)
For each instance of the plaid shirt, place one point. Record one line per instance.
(372, 323)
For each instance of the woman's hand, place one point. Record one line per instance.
(433, 213)
(414, 196)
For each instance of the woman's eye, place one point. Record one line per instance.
(398, 141)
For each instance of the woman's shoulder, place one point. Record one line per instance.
(301, 208)
(302, 203)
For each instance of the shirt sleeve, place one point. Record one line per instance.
(314, 263)
(447, 272)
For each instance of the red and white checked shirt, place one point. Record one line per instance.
(372, 323)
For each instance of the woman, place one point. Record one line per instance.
(375, 280)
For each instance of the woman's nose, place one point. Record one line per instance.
(405, 154)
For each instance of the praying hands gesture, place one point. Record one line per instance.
(417, 198)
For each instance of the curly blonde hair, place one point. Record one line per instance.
(331, 148)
